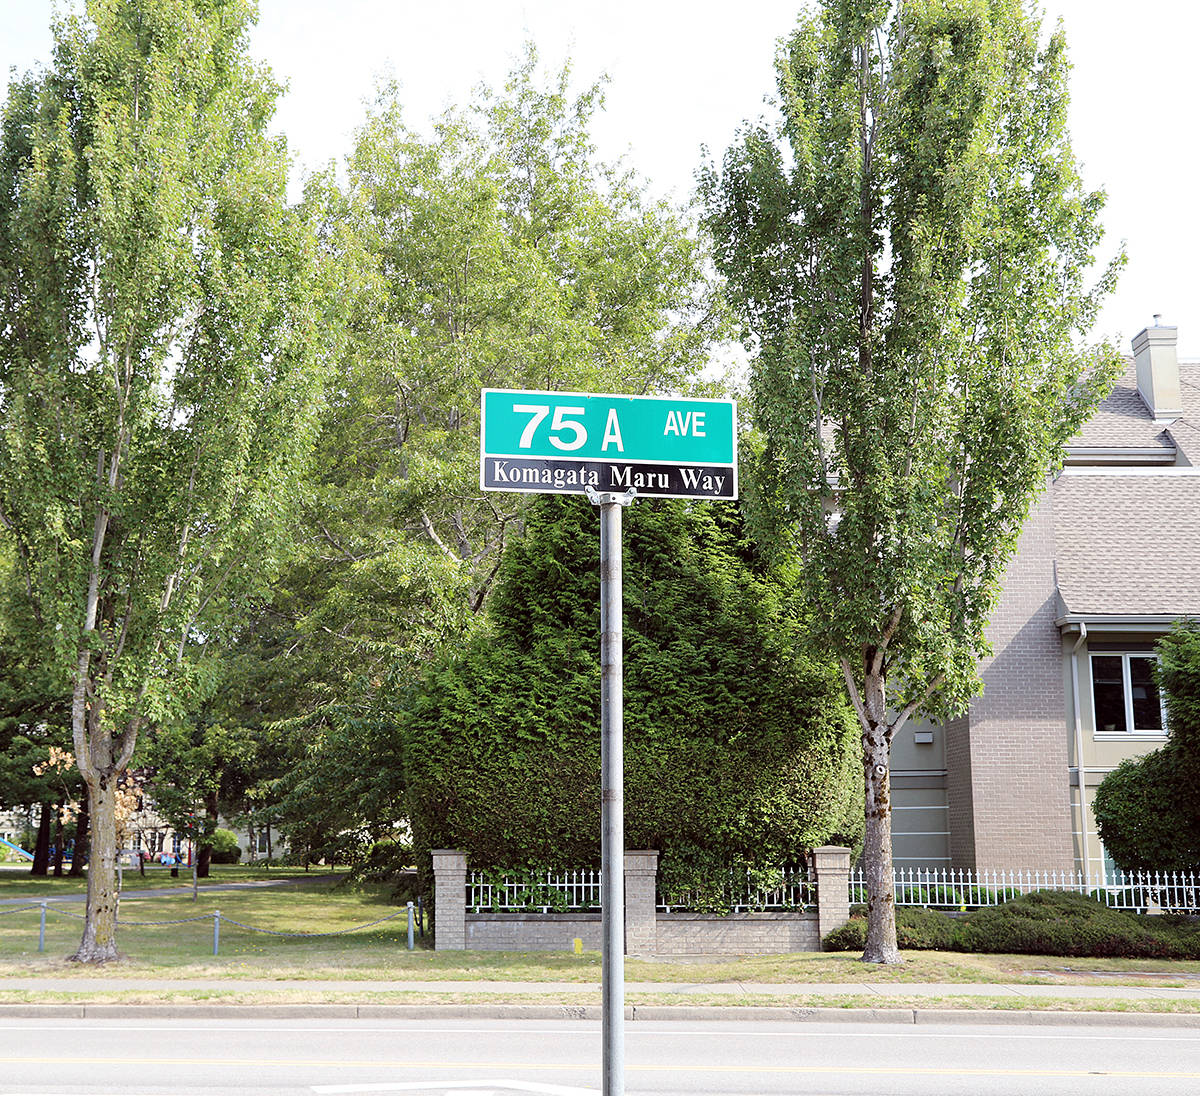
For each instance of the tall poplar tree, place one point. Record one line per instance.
(157, 366)
(909, 252)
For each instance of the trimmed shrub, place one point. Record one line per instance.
(1041, 923)
(1147, 810)
(740, 747)
(1054, 923)
(917, 929)
(224, 845)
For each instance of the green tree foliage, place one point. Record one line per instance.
(1147, 810)
(157, 372)
(739, 747)
(908, 250)
(494, 251)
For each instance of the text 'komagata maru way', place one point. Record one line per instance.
(654, 480)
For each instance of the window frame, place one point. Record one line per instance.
(1127, 689)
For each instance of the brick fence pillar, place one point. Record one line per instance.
(641, 885)
(450, 900)
(831, 867)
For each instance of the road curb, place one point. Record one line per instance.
(634, 1013)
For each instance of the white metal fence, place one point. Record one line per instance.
(747, 890)
(962, 889)
(533, 891)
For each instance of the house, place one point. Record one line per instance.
(1108, 559)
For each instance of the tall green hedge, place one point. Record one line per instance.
(1148, 809)
(739, 747)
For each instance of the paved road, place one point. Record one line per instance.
(144, 1057)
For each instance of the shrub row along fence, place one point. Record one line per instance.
(743, 890)
(746, 911)
(409, 912)
(962, 889)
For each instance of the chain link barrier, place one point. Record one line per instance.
(340, 932)
(50, 907)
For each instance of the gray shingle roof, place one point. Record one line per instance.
(1128, 543)
(1124, 420)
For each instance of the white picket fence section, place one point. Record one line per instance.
(959, 888)
(533, 892)
(787, 888)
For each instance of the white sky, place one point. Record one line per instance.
(684, 73)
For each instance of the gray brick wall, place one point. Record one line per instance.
(737, 933)
(1007, 777)
(647, 930)
(532, 931)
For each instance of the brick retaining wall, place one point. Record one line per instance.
(647, 930)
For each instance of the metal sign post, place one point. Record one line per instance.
(612, 793)
(610, 448)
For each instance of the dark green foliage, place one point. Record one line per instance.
(1053, 923)
(917, 929)
(1041, 923)
(1147, 809)
(225, 849)
(738, 745)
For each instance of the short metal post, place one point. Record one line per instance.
(216, 932)
(612, 810)
(410, 926)
(42, 930)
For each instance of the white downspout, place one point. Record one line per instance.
(1083, 807)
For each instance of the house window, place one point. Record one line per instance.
(1124, 695)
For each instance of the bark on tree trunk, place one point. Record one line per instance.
(877, 855)
(41, 850)
(99, 943)
(58, 840)
(212, 810)
(81, 838)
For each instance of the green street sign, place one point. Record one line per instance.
(566, 442)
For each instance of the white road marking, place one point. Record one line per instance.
(460, 1088)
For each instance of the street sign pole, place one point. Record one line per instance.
(610, 448)
(612, 795)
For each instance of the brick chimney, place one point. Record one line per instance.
(1158, 370)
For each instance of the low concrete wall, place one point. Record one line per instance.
(736, 933)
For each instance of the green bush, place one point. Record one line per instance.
(935, 896)
(385, 860)
(1041, 923)
(1147, 810)
(739, 744)
(224, 845)
(1054, 923)
(917, 929)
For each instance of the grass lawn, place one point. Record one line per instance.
(314, 905)
(16, 882)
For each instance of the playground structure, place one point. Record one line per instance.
(17, 849)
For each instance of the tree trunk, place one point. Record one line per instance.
(270, 849)
(212, 810)
(881, 944)
(99, 943)
(58, 840)
(81, 838)
(41, 850)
